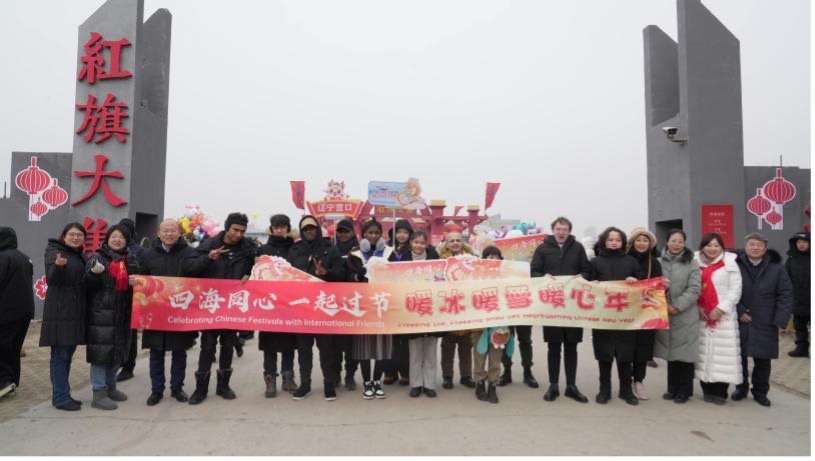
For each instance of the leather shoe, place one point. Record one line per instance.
(180, 395)
(154, 399)
(668, 396)
(739, 394)
(574, 393)
(552, 393)
(681, 399)
(798, 353)
(762, 400)
(124, 375)
(415, 391)
(602, 397)
(448, 383)
(530, 380)
(467, 381)
(506, 378)
(709, 398)
(429, 392)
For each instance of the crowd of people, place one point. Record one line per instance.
(724, 308)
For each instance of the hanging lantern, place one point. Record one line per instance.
(778, 189)
(38, 209)
(54, 196)
(773, 218)
(759, 206)
(32, 180)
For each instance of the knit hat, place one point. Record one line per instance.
(280, 220)
(636, 232)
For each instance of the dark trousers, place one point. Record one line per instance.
(639, 371)
(178, 367)
(12, 337)
(465, 354)
(800, 323)
(270, 362)
(130, 361)
(715, 389)
(399, 363)
(209, 340)
(623, 371)
(366, 370)
(342, 352)
(326, 344)
(569, 362)
(680, 378)
(61, 357)
(524, 335)
(761, 375)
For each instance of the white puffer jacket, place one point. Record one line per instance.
(719, 349)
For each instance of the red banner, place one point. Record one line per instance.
(492, 189)
(298, 193)
(189, 304)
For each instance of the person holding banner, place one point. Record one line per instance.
(345, 240)
(228, 255)
(454, 245)
(316, 256)
(612, 263)
(271, 344)
(642, 245)
(164, 259)
(109, 276)
(558, 254)
(719, 360)
(399, 366)
(378, 348)
(679, 345)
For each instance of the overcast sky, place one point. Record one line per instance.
(545, 97)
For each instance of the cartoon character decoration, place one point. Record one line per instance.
(410, 198)
(500, 337)
(335, 191)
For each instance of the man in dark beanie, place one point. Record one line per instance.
(133, 247)
(227, 255)
(16, 307)
(279, 244)
(344, 241)
(798, 269)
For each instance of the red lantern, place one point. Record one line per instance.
(773, 218)
(54, 196)
(778, 189)
(38, 209)
(758, 206)
(32, 180)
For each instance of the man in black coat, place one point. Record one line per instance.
(560, 254)
(134, 248)
(798, 268)
(764, 307)
(16, 307)
(228, 255)
(316, 256)
(164, 259)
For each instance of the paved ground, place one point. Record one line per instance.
(454, 423)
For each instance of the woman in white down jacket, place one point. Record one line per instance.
(719, 363)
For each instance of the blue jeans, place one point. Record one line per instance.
(60, 372)
(178, 366)
(103, 375)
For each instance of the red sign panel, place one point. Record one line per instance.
(719, 219)
(323, 208)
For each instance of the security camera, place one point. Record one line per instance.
(670, 130)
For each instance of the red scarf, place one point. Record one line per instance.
(708, 298)
(118, 270)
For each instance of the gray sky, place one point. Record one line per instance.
(544, 97)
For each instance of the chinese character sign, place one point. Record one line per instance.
(186, 304)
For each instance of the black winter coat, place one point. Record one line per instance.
(610, 344)
(156, 261)
(233, 265)
(408, 255)
(550, 258)
(650, 268)
(303, 254)
(766, 294)
(63, 315)
(799, 269)
(272, 341)
(16, 280)
(108, 315)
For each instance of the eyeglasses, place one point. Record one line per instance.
(74, 235)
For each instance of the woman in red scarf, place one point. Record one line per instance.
(719, 363)
(109, 275)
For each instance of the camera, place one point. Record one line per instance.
(670, 130)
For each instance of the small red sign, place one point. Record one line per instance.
(719, 219)
(323, 208)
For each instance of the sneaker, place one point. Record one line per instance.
(639, 391)
(330, 394)
(70, 406)
(368, 390)
(6, 388)
(378, 392)
(301, 392)
(429, 392)
(350, 383)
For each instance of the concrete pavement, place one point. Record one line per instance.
(453, 423)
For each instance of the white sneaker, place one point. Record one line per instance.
(368, 392)
(378, 392)
(7, 389)
(640, 391)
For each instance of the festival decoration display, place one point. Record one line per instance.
(196, 222)
(44, 193)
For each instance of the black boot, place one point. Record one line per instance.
(740, 393)
(798, 352)
(492, 394)
(530, 380)
(467, 381)
(481, 391)
(201, 387)
(627, 394)
(552, 393)
(506, 377)
(222, 386)
(604, 395)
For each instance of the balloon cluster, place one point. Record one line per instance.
(198, 223)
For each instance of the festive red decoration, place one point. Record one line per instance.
(105, 120)
(778, 189)
(99, 176)
(758, 205)
(298, 193)
(93, 64)
(38, 208)
(41, 287)
(773, 218)
(32, 180)
(492, 189)
(54, 196)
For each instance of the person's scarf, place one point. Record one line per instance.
(118, 270)
(708, 298)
